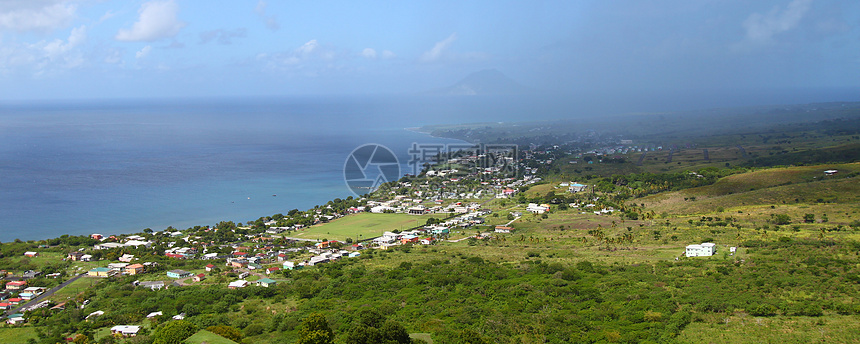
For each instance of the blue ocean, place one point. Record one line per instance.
(115, 167)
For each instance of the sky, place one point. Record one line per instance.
(104, 49)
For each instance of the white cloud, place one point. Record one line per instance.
(309, 53)
(143, 52)
(439, 49)
(57, 47)
(31, 15)
(157, 20)
(761, 28)
(43, 57)
(308, 48)
(388, 54)
(270, 20)
(369, 53)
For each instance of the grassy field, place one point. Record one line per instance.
(791, 190)
(362, 226)
(204, 336)
(71, 290)
(748, 329)
(17, 335)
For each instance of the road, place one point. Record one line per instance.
(44, 295)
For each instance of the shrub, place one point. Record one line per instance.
(762, 310)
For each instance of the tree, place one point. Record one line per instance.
(173, 332)
(315, 330)
(370, 327)
(781, 219)
(228, 332)
(809, 218)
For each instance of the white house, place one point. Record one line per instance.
(238, 284)
(125, 330)
(537, 209)
(702, 250)
(576, 187)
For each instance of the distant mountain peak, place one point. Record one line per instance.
(485, 82)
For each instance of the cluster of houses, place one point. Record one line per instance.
(121, 268)
(112, 242)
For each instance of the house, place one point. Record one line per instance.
(34, 290)
(101, 272)
(97, 236)
(127, 258)
(702, 250)
(325, 244)
(125, 330)
(266, 282)
(107, 246)
(117, 266)
(830, 172)
(576, 187)
(134, 269)
(209, 267)
(288, 265)
(239, 263)
(179, 316)
(537, 209)
(154, 314)
(153, 285)
(269, 271)
(199, 277)
(354, 254)
(178, 273)
(136, 243)
(86, 258)
(15, 320)
(417, 210)
(238, 284)
(427, 241)
(31, 254)
(74, 256)
(504, 229)
(14, 300)
(409, 239)
(5, 306)
(31, 274)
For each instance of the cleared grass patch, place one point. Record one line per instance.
(363, 226)
(73, 289)
(204, 336)
(781, 329)
(17, 335)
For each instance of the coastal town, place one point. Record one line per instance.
(464, 201)
(448, 202)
